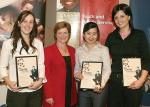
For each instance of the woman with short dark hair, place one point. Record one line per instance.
(126, 42)
(91, 50)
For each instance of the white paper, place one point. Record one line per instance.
(131, 70)
(91, 72)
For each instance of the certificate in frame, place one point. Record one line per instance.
(92, 74)
(131, 70)
(26, 70)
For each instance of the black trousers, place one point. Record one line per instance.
(120, 96)
(26, 99)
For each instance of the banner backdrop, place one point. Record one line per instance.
(98, 11)
(78, 12)
(69, 10)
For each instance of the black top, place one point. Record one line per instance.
(134, 46)
(68, 81)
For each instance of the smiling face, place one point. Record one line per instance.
(91, 36)
(121, 19)
(26, 25)
(69, 4)
(62, 36)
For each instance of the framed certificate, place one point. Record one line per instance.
(92, 74)
(131, 70)
(26, 70)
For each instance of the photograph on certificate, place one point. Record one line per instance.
(26, 70)
(131, 70)
(92, 74)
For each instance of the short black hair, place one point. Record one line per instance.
(126, 9)
(91, 25)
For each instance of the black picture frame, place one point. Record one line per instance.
(92, 74)
(26, 70)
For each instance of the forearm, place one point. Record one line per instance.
(143, 76)
(6, 79)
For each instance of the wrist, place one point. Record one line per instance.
(142, 80)
(40, 80)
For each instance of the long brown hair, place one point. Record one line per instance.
(16, 33)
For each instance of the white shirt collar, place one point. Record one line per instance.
(19, 46)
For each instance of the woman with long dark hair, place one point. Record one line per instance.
(23, 42)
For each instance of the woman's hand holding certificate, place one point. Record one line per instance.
(140, 82)
(78, 76)
(36, 84)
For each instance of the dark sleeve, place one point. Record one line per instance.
(107, 43)
(145, 52)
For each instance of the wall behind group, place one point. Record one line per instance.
(51, 20)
